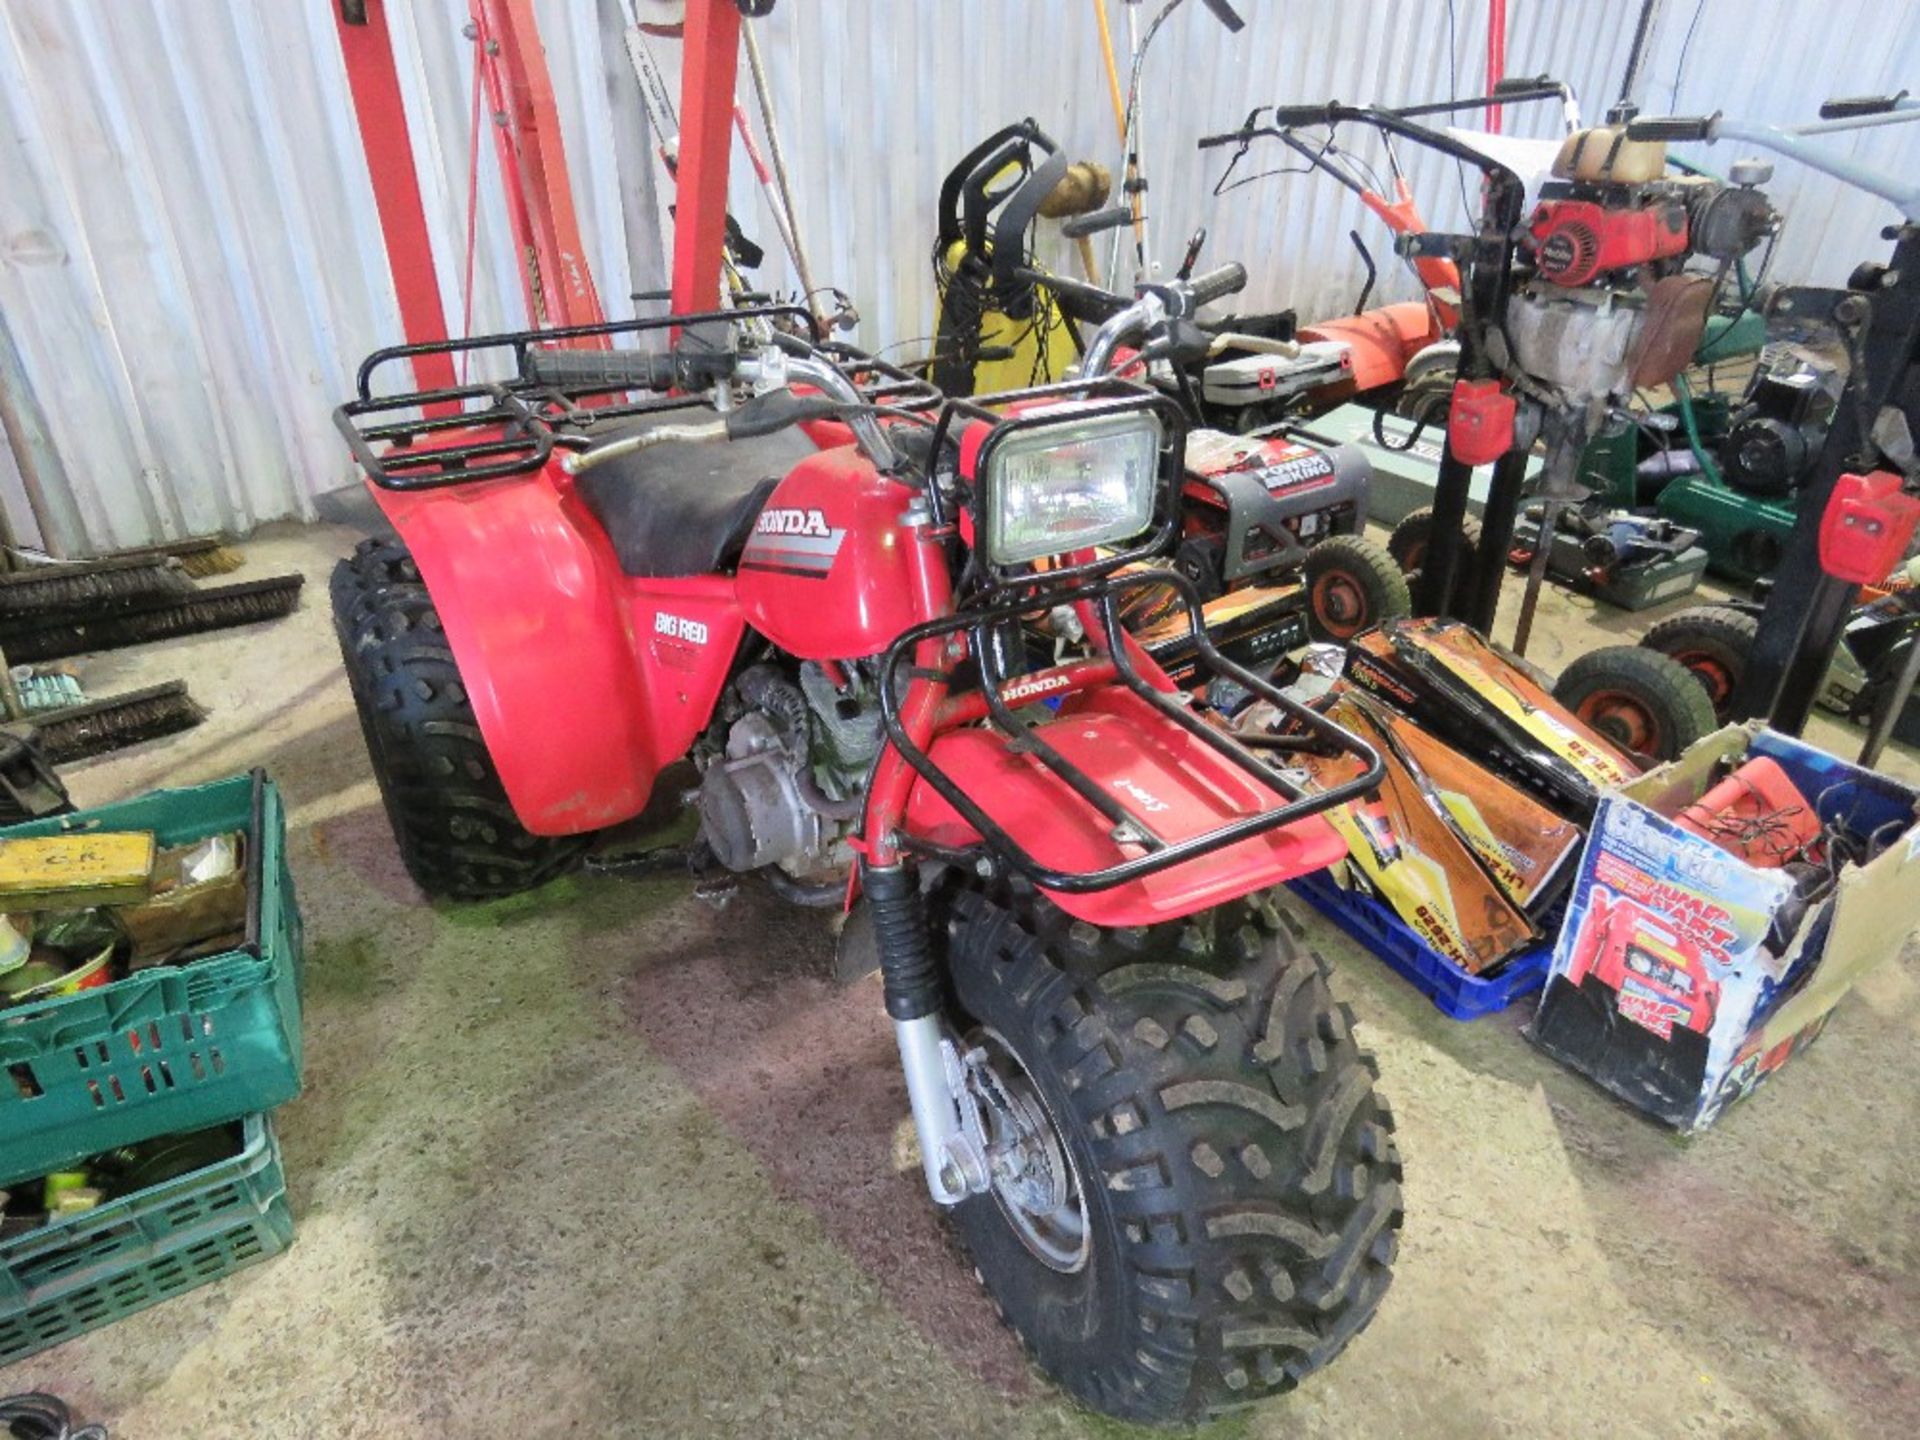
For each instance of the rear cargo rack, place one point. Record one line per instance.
(980, 623)
(490, 430)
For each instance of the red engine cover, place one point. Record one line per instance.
(825, 575)
(1575, 240)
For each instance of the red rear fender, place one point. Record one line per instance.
(582, 690)
(1158, 772)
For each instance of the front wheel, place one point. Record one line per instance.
(1195, 1191)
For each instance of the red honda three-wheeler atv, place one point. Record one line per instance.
(1152, 1123)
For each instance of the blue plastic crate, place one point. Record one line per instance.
(1457, 994)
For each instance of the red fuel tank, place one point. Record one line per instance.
(825, 573)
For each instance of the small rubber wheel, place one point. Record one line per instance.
(456, 829)
(1202, 559)
(1408, 547)
(1195, 1195)
(1352, 585)
(1646, 703)
(1713, 642)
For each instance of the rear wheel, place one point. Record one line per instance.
(457, 832)
(1352, 585)
(1713, 642)
(1196, 1193)
(1646, 703)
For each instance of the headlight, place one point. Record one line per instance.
(1070, 486)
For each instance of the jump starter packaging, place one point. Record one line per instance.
(1406, 850)
(1696, 957)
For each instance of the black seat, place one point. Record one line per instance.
(681, 508)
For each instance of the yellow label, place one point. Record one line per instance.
(110, 861)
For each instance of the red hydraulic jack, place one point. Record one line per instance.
(512, 74)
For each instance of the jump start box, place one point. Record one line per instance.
(1683, 976)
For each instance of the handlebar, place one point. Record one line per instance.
(1797, 144)
(1847, 107)
(1673, 127)
(1279, 118)
(1217, 283)
(1112, 218)
(1088, 300)
(785, 361)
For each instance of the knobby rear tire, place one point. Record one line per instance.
(455, 827)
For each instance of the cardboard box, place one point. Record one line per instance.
(1683, 976)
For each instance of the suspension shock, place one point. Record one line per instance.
(911, 982)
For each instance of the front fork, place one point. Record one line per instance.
(945, 1114)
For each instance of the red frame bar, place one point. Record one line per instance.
(711, 46)
(533, 165)
(382, 114)
(1496, 56)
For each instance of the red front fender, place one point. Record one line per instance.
(1159, 772)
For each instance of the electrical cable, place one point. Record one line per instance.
(39, 1416)
(1680, 66)
(1453, 94)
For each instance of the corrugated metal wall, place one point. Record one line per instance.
(190, 264)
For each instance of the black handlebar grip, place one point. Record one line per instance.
(1111, 218)
(1231, 137)
(601, 369)
(1226, 15)
(1846, 107)
(1672, 127)
(1218, 283)
(1515, 84)
(1289, 116)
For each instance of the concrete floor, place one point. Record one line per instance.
(604, 1161)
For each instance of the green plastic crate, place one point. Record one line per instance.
(175, 1047)
(88, 1270)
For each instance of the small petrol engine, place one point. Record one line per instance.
(1607, 306)
(782, 776)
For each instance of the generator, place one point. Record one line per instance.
(1253, 502)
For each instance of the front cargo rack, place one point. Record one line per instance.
(982, 622)
(490, 430)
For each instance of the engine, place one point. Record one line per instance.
(1782, 420)
(783, 780)
(1607, 306)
